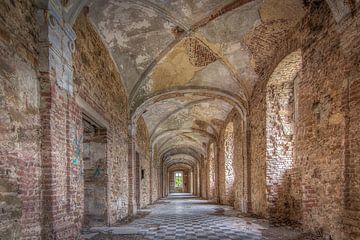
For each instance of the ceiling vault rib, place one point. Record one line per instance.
(176, 111)
(219, 12)
(171, 162)
(172, 152)
(163, 134)
(231, 69)
(182, 149)
(74, 11)
(191, 138)
(215, 14)
(154, 62)
(160, 135)
(164, 143)
(163, 12)
(179, 163)
(232, 99)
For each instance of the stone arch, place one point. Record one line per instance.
(227, 170)
(280, 137)
(212, 171)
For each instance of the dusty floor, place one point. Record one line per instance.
(185, 217)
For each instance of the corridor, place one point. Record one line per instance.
(179, 119)
(183, 216)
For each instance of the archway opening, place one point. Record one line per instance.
(94, 143)
(229, 173)
(179, 181)
(211, 172)
(282, 180)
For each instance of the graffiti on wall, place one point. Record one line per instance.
(77, 148)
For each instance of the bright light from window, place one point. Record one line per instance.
(178, 179)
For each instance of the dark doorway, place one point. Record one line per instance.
(95, 177)
(137, 180)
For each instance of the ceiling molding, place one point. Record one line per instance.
(186, 106)
(171, 131)
(238, 103)
(203, 22)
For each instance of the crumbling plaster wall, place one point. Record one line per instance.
(237, 196)
(98, 83)
(282, 171)
(20, 162)
(26, 212)
(143, 147)
(155, 182)
(325, 127)
(204, 175)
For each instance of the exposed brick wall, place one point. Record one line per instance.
(143, 147)
(240, 163)
(257, 148)
(155, 182)
(199, 54)
(19, 145)
(18, 29)
(351, 105)
(61, 182)
(171, 182)
(211, 172)
(328, 72)
(320, 146)
(238, 194)
(204, 176)
(98, 83)
(284, 200)
(41, 127)
(20, 162)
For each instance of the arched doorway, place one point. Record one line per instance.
(283, 193)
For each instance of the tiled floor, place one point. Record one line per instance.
(189, 218)
(185, 217)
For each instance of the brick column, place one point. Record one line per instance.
(131, 168)
(151, 173)
(58, 112)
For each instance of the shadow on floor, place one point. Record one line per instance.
(186, 217)
(183, 196)
(118, 237)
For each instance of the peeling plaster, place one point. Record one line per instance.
(127, 27)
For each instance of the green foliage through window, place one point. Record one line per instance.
(178, 179)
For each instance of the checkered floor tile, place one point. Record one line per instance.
(192, 219)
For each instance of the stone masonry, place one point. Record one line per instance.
(255, 102)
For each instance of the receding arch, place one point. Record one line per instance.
(229, 168)
(192, 151)
(280, 137)
(212, 171)
(137, 109)
(172, 132)
(178, 110)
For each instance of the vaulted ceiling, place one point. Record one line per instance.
(187, 64)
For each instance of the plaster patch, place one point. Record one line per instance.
(174, 70)
(112, 36)
(138, 25)
(142, 59)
